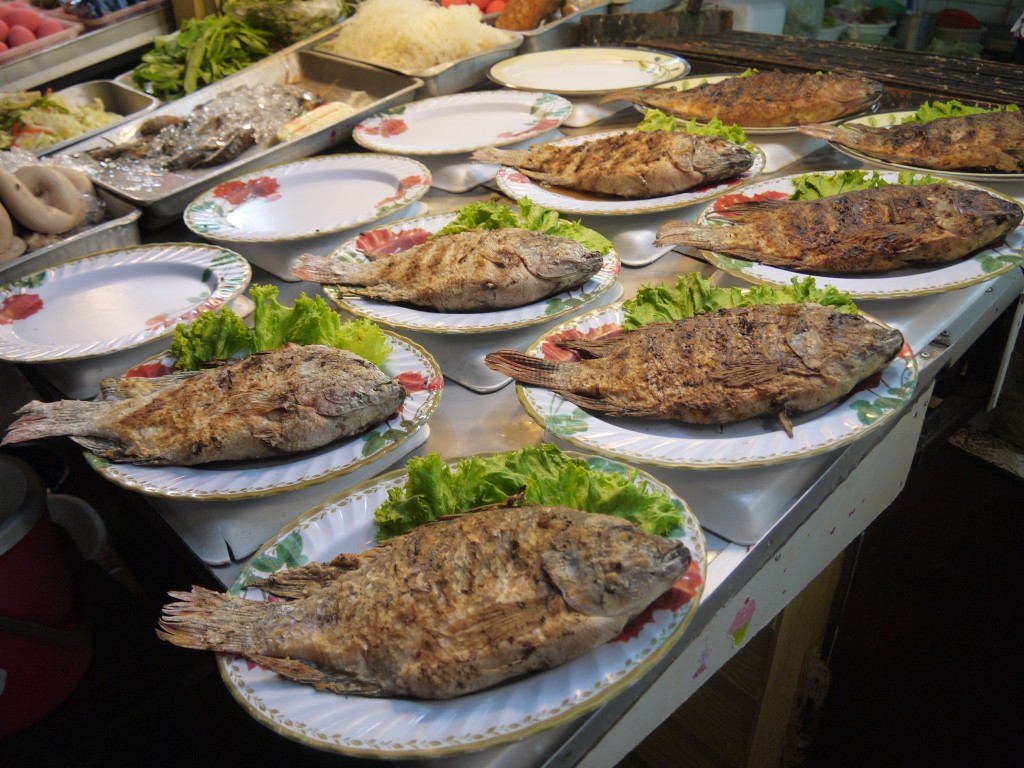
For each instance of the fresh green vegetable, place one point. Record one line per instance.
(287, 21)
(812, 186)
(693, 295)
(656, 120)
(544, 474)
(953, 108)
(220, 335)
(201, 52)
(495, 215)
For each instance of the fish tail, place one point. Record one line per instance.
(633, 96)
(686, 233)
(526, 368)
(212, 621)
(326, 269)
(62, 417)
(498, 156)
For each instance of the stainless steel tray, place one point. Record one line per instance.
(563, 32)
(329, 77)
(121, 228)
(440, 80)
(117, 98)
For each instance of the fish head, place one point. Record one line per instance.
(606, 566)
(967, 211)
(560, 260)
(866, 345)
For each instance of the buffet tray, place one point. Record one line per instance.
(121, 228)
(563, 32)
(330, 78)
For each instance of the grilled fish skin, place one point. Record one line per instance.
(630, 164)
(471, 271)
(292, 399)
(769, 99)
(716, 368)
(990, 142)
(868, 231)
(451, 607)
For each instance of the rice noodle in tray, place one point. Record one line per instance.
(414, 34)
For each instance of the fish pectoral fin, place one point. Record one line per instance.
(896, 237)
(746, 374)
(318, 677)
(785, 422)
(497, 620)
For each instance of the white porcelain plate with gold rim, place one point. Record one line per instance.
(410, 728)
(517, 185)
(408, 362)
(754, 442)
(984, 264)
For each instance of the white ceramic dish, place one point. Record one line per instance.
(115, 300)
(410, 363)
(750, 443)
(883, 119)
(586, 71)
(307, 198)
(411, 318)
(516, 185)
(983, 265)
(408, 728)
(462, 122)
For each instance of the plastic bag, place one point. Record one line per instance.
(288, 21)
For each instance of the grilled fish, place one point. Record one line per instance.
(990, 141)
(631, 164)
(449, 608)
(864, 231)
(475, 270)
(292, 399)
(768, 99)
(716, 368)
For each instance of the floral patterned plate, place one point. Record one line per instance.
(885, 119)
(410, 363)
(516, 185)
(982, 265)
(754, 442)
(462, 122)
(404, 234)
(115, 300)
(409, 728)
(307, 198)
(588, 70)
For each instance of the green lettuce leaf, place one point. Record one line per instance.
(935, 109)
(812, 186)
(544, 474)
(656, 120)
(211, 336)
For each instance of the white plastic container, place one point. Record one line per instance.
(765, 16)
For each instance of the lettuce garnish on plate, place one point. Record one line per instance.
(933, 110)
(222, 334)
(494, 214)
(544, 474)
(812, 186)
(656, 120)
(693, 294)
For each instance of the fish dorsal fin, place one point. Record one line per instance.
(319, 678)
(294, 583)
(593, 348)
(741, 212)
(124, 388)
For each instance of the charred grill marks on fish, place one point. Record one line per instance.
(716, 368)
(293, 399)
(449, 608)
(475, 270)
(630, 164)
(763, 99)
(989, 142)
(864, 231)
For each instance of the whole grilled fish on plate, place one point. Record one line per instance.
(397, 614)
(289, 400)
(662, 395)
(517, 278)
(893, 232)
(986, 146)
(760, 100)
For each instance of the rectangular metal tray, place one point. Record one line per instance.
(121, 228)
(328, 77)
(563, 32)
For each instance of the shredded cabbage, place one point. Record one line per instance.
(34, 120)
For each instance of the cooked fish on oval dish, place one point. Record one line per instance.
(718, 367)
(630, 164)
(989, 141)
(295, 398)
(452, 607)
(859, 232)
(770, 99)
(470, 271)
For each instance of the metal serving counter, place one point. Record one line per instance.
(806, 511)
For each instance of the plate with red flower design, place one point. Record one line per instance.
(462, 122)
(404, 728)
(307, 198)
